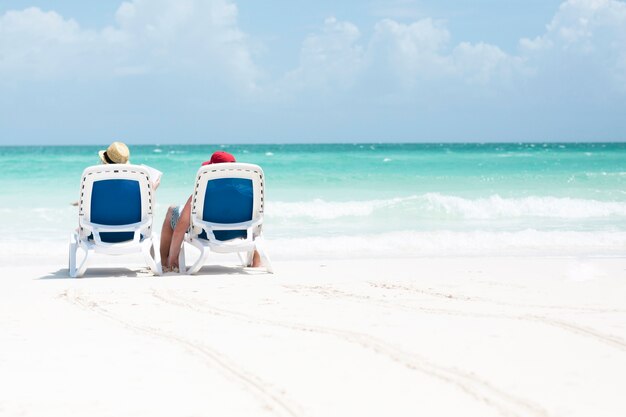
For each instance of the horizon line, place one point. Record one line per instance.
(561, 142)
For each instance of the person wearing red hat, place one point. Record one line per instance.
(219, 157)
(178, 219)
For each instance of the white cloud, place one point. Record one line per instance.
(579, 23)
(482, 63)
(158, 36)
(189, 36)
(203, 38)
(330, 58)
(400, 56)
(583, 33)
(586, 38)
(582, 23)
(40, 44)
(410, 52)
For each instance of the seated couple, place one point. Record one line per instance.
(178, 218)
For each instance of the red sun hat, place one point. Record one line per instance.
(219, 157)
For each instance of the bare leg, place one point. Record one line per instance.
(178, 235)
(166, 237)
(256, 260)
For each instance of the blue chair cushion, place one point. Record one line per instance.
(115, 202)
(228, 200)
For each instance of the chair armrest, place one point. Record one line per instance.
(209, 227)
(227, 226)
(96, 227)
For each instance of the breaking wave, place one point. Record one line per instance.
(436, 205)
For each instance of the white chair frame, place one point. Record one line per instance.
(79, 239)
(254, 239)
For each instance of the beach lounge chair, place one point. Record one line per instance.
(227, 214)
(114, 215)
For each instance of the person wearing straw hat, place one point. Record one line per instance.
(118, 153)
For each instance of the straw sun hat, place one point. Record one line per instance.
(116, 153)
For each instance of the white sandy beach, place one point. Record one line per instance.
(379, 337)
(440, 185)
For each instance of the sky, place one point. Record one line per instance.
(278, 71)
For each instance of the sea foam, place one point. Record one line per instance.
(437, 205)
(532, 206)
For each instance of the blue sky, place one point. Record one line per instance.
(219, 71)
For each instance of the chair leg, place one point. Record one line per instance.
(265, 259)
(74, 246)
(72, 256)
(241, 259)
(204, 254)
(151, 256)
(157, 258)
(182, 260)
(80, 271)
(247, 260)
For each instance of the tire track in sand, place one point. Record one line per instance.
(608, 339)
(275, 402)
(506, 404)
(476, 299)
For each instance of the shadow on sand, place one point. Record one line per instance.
(208, 270)
(99, 273)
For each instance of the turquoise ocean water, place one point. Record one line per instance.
(367, 199)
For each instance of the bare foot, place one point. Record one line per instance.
(167, 269)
